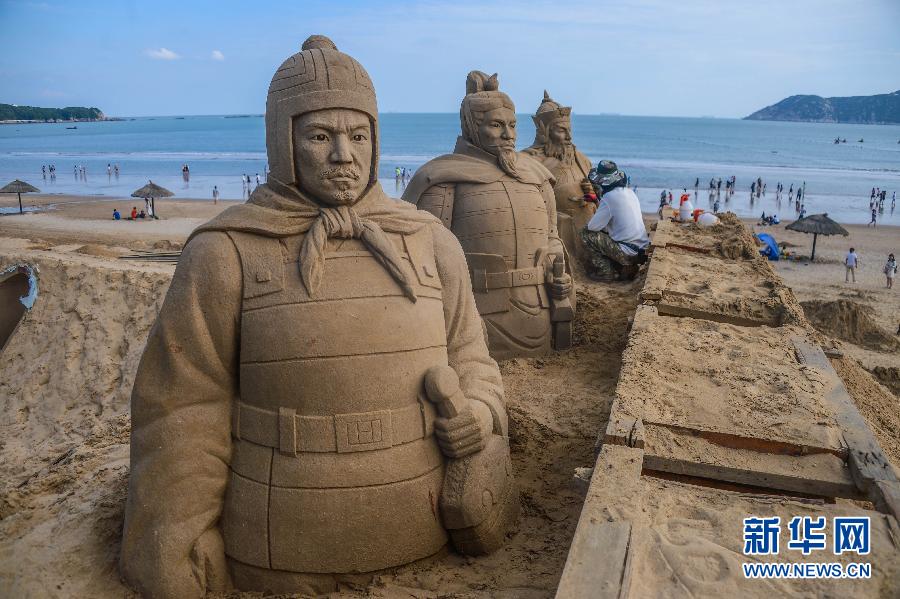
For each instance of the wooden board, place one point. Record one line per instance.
(679, 451)
(599, 561)
(869, 467)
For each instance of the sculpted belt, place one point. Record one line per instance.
(342, 433)
(483, 281)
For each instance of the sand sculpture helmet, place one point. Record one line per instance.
(322, 124)
(553, 128)
(488, 118)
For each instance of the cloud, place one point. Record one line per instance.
(162, 54)
(217, 55)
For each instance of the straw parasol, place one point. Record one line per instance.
(152, 190)
(19, 187)
(817, 224)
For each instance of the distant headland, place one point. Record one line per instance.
(10, 113)
(880, 109)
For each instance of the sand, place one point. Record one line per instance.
(65, 380)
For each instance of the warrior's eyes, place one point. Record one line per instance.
(359, 137)
(319, 137)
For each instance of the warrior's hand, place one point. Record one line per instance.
(461, 435)
(586, 187)
(463, 426)
(560, 285)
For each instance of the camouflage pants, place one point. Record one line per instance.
(604, 256)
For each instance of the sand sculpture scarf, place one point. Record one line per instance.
(276, 210)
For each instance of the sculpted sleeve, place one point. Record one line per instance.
(180, 428)
(554, 245)
(479, 376)
(438, 200)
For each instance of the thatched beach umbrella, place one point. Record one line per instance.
(19, 187)
(817, 224)
(152, 190)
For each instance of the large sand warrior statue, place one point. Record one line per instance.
(500, 205)
(316, 399)
(554, 149)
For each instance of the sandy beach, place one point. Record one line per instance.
(64, 395)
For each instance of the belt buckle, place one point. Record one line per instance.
(525, 277)
(363, 431)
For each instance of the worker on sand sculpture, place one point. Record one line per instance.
(615, 239)
(298, 422)
(554, 149)
(500, 205)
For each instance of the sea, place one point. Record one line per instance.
(658, 153)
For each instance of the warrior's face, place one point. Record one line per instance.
(333, 152)
(497, 135)
(558, 142)
(560, 132)
(497, 130)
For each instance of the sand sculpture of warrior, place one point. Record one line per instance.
(500, 205)
(316, 399)
(554, 149)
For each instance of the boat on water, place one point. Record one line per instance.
(75, 127)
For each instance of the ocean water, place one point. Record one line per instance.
(657, 152)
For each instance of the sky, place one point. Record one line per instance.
(693, 58)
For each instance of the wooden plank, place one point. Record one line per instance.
(668, 304)
(599, 563)
(680, 452)
(868, 464)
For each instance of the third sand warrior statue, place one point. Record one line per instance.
(554, 149)
(501, 207)
(316, 400)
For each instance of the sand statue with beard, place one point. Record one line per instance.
(554, 149)
(500, 205)
(316, 399)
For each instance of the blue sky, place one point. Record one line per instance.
(643, 57)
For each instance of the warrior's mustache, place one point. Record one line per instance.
(340, 172)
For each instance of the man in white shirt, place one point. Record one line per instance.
(615, 237)
(851, 261)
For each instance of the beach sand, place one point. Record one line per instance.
(66, 376)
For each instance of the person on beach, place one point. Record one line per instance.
(215, 194)
(116, 215)
(802, 211)
(851, 261)
(874, 217)
(257, 179)
(615, 237)
(134, 212)
(890, 270)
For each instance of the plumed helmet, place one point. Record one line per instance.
(316, 78)
(547, 112)
(482, 95)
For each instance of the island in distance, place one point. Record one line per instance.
(14, 114)
(880, 109)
